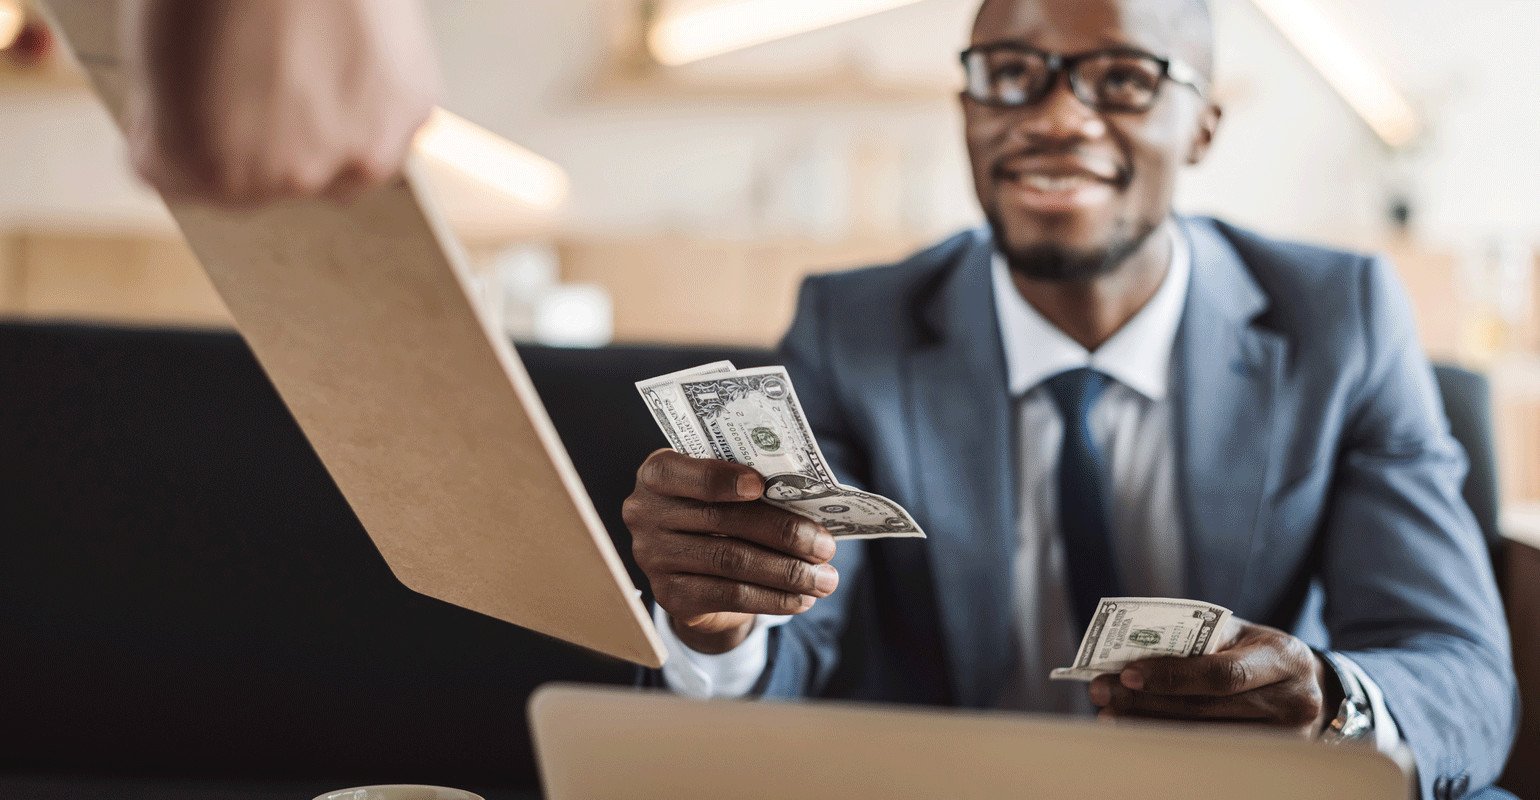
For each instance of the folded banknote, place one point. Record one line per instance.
(1128, 629)
(752, 417)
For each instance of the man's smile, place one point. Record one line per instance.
(1059, 185)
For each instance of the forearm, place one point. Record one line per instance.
(1453, 700)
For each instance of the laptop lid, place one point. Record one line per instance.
(608, 742)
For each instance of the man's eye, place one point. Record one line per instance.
(1010, 72)
(1126, 79)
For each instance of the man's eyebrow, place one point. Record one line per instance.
(1106, 46)
(1110, 41)
(1023, 38)
(1104, 42)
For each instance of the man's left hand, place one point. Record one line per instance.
(1261, 676)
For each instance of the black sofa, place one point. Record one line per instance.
(188, 608)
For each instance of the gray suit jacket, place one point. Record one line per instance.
(1320, 485)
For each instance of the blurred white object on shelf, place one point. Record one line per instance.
(513, 284)
(522, 292)
(575, 315)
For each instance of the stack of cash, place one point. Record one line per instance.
(1128, 629)
(752, 417)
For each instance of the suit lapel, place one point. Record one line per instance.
(1226, 373)
(965, 472)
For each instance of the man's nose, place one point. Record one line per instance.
(1062, 116)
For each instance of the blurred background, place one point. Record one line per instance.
(668, 170)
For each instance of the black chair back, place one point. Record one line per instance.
(1468, 402)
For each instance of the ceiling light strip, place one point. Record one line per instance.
(685, 34)
(493, 161)
(1346, 67)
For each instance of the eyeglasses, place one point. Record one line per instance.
(1012, 75)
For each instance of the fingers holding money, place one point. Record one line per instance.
(1276, 704)
(683, 555)
(1228, 672)
(714, 557)
(695, 596)
(671, 474)
(752, 418)
(768, 527)
(1294, 704)
(1266, 676)
(714, 585)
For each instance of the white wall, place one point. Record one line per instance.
(62, 162)
(1291, 158)
(1474, 67)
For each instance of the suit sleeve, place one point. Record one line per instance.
(1410, 594)
(804, 651)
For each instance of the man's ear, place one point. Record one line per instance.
(1208, 128)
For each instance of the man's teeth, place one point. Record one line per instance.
(1054, 183)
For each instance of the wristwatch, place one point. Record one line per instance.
(1355, 716)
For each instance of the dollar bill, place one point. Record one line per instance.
(752, 417)
(672, 413)
(1128, 629)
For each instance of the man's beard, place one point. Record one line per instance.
(1052, 263)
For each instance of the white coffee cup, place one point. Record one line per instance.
(399, 791)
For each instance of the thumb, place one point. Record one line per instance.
(1235, 633)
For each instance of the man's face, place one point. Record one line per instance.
(1071, 191)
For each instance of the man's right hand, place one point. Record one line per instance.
(715, 557)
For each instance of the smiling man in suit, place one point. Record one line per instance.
(1094, 397)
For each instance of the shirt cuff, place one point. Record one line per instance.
(729, 674)
(1387, 735)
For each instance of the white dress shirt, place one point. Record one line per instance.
(1132, 423)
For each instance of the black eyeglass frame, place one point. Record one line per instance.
(1062, 66)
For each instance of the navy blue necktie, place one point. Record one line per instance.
(1085, 498)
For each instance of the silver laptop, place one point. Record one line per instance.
(621, 743)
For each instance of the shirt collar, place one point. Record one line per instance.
(1137, 356)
